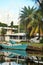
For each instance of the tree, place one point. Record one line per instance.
(11, 24)
(36, 24)
(26, 16)
(40, 5)
(3, 32)
(3, 25)
(40, 8)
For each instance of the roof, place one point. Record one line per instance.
(8, 28)
(16, 34)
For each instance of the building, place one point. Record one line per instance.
(18, 37)
(11, 35)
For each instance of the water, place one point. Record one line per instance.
(22, 53)
(15, 52)
(9, 63)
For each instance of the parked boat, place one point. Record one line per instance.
(13, 45)
(36, 60)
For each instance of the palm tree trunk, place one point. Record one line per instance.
(26, 30)
(39, 31)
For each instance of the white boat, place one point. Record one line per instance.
(36, 60)
(35, 39)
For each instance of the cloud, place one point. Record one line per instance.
(9, 13)
(8, 16)
(10, 9)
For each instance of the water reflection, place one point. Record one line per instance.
(20, 54)
(9, 63)
(23, 53)
(15, 52)
(35, 53)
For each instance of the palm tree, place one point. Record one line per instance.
(36, 23)
(40, 5)
(40, 2)
(26, 16)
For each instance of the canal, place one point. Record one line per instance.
(21, 57)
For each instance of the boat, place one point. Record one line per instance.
(13, 45)
(35, 59)
(34, 40)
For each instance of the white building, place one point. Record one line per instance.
(16, 37)
(11, 35)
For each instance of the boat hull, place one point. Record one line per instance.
(19, 47)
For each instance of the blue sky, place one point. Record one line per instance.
(10, 9)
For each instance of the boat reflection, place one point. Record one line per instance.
(23, 56)
(23, 53)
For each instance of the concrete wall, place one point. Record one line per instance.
(7, 38)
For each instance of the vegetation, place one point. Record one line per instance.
(37, 44)
(3, 25)
(40, 8)
(3, 32)
(31, 19)
(41, 41)
(26, 16)
(40, 3)
(36, 24)
(11, 24)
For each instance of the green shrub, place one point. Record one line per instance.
(41, 41)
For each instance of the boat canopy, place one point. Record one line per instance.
(12, 41)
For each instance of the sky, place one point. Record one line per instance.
(10, 10)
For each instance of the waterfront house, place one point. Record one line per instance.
(12, 35)
(18, 37)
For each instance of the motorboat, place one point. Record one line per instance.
(13, 45)
(35, 39)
